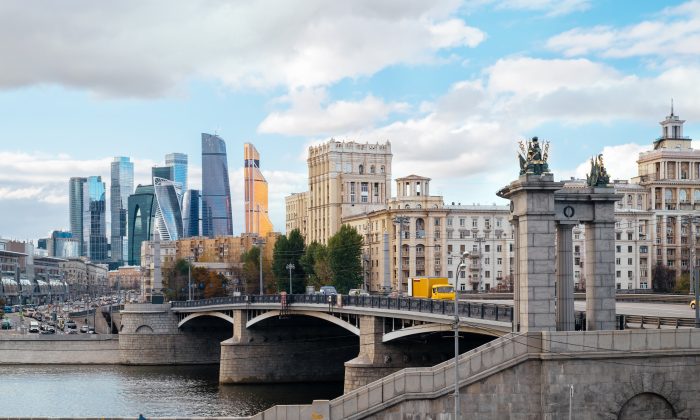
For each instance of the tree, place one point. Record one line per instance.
(214, 285)
(344, 258)
(250, 272)
(175, 280)
(683, 284)
(316, 265)
(663, 278)
(288, 250)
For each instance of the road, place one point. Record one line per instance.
(672, 310)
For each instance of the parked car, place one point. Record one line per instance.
(71, 324)
(33, 327)
(358, 292)
(91, 330)
(84, 329)
(328, 290)
(6, 324)
(70, 331)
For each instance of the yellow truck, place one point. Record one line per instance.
(430, 288)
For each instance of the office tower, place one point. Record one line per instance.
(257, 220)
(75, 202)
(168, 218)
(191, 206)
(141, 213)
(165, 172)
(94, 219)
(216, 193)
(178, 161)
(122, 186)
(63, 245)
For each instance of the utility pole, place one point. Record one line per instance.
(462, 266)
(290, 267)
(260, 244)
(189, 278)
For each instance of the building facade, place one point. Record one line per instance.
(416, 235)
(168, 217)
(141, 220)
(121, 187)
(178, 161)
(75, 209)
(216, 192)
(257, 220)
(297, 212)
(63, 245)
(191, 213)
(95, 220)
(345, 179)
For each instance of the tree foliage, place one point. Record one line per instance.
(316, 265)
(344, 258)
(289, 250)
(663, 279)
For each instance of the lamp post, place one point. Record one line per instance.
(462, 265)
(189, 277)
(400, 220)
(260, 243)
(290, 267)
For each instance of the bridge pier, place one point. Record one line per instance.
(290, 349)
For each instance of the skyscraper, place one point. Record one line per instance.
(121, 187)
(168, 218)
(191, 206)
(75, 202)
(216, 193)
(165, 172)
(94, 219)
(141, 215)
(255, 186)
(178, 161)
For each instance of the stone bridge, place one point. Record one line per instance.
(306, 338)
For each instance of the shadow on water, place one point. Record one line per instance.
(116, 391)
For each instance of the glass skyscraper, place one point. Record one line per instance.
(178, 161)
(94, 220)
(165, 172)
(191, 206)
(121, 187)
(168, 217)
(75, 203)
(141, 213)
(216, 193)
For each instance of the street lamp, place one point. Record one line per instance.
(260, 243)
(400, 220)
(189, 277)
(290, 267)
(462, 265)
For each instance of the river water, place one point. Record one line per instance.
(154, 391)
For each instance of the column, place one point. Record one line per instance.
(565, 278)
(516, 279)
(600, 275)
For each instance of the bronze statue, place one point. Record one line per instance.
(599, 176)
(533, 160)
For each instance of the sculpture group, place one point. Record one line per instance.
(533, 159)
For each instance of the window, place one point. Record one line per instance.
(487, 261)
(461, 221)
(618, 236)
(618, 248)
(629, 261)
(449, 274)
(462, 274)
(618, 274)
(499, 248)
(499, 275)
(629, 236)
(487, 248)
(475, 222)
(629, 248)
(449, 248)
(449, 234)
(449, 221)
(449, 260)
(352, 192)
(510, 247)
(462, 249)
(629, 274)
(382, 169)
(372, 169)
(487, 274)
(499, 261)
(361, 169)
(437, 222)
(643, 249)
(498, 222)
(617, 261)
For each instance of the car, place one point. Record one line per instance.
(358, 292)
(71, 324)
(328, 290)
(91, 330)
(69, 331)
(84, 329)
(33, 327)
(6, 324)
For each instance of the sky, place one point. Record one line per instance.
(453, 85)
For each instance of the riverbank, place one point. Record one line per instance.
(30, 349)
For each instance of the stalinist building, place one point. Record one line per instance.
(345, 179)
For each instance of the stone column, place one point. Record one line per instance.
(565, 278)
(532, 198)
(600, 275)
(516, 277)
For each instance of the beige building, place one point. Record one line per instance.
(297, 212)
(125, 277)
(432, 239)
(345, 179)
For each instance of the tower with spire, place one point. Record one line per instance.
(672, 133)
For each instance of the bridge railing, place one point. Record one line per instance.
(489, 311)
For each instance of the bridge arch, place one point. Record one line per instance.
(647, 405)
(320, 315)
(144, 329)
(201, 314)
(428, 328)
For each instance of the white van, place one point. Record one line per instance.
(33, 327)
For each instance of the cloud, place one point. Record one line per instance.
(672, 34)
(310, 114)
(550, 8)
(620, 161)
(148, 49)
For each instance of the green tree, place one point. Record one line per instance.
(316, 265)
(663, 278)
(250, 273)
(175, 280)
(683, 284)
(344, 258)
(288, 250)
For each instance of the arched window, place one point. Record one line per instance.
(668, 195)
(362, 169)
(371, 169)
(138, 225)
(407, 206)
(683, 195)
(382, 169)
(696, 194)
(418, 206)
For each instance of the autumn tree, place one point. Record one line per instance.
(289, 250)
(316, 265)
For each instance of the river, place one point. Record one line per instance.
(154, 391)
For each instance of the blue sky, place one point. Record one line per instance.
(453, 85)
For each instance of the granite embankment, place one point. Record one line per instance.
(59, 349)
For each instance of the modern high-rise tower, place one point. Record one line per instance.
(141, 220)
(179, 163)
(216, 193)
(257, 220)
(94, 220)
(122, 186)
(191, 213)
(75, 199)
(168, 217)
